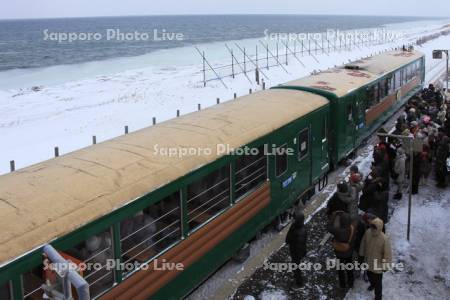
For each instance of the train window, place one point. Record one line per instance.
(251, 171)
(5, 291)
(349, 113)
(208, 196)
(404, 74)
(95, 252)
(32, 282)
(371, 98)
(398, 78)
(376, 93)
(419, 66)
(151, 230)
(281, 160)
(382, 88)
(410, 72)
(303, 144)
(324, 129)
(391, 84)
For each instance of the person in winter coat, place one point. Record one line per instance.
(296, 239)
(381, 161)
(346, 194)
(339, 200)
(442, 153)
(399, 170)
(371, 184)
(343, 232)
(425, 165)
(376, 251)
(379, 206)
(355, 186)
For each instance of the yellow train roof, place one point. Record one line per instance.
(52, 198)
(341, 81)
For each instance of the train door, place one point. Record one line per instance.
(292, 164)
(349, 125)
(319, 146)
(359, 110)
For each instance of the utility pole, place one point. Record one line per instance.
(410, 139)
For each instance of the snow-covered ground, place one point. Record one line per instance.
(426, 257)
(75, 102)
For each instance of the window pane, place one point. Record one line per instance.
(281, 162)
(371, 96)
(349, 113)
(4, 291)
(32, 282)
(303, 143)
(391, 84)
(376, 93)
(152, 230)
(398, 77)
(208, 196)
(382, 87)
(95, 252)
(251, 171)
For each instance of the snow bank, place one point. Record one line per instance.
(72, 103)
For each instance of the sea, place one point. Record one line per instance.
(38, 43)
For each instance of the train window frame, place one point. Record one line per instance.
(376, 93)
(9, 289)
(239, 196)
(113, 255)
(301, 157)
(228, 197)
(382, 89)
(22, 282)
(403, 81)
(398, 79)
(349, 113)
(277, 155)
(157, 218)
(390, 83)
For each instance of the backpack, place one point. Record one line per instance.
(344, 246)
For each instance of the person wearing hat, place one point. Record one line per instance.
(355, 186)
(339, 201)
(376, 251)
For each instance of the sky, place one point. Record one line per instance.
(85, 8)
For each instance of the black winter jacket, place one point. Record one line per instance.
(296, 239)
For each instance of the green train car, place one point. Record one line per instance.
(153, 213)
(364, 94)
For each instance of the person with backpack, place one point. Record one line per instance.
(343, 232)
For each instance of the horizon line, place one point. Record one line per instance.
(217, 14)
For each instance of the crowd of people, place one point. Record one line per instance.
(358, 211)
